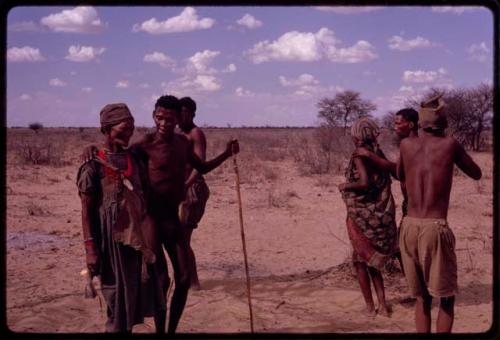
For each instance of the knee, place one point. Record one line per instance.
(447, 302)
(425, 301)
(183, 279)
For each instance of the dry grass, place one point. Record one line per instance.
(311, 151)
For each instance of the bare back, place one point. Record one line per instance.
(198, 142)
(427, 166)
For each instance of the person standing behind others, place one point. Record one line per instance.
(427, 243)
(119, 244)
(197, 193)
(370, 215)
(405, 126)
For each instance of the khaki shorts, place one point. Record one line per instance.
(428, 253)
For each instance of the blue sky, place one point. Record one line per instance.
(250, 66)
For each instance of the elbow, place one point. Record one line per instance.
(477, 175)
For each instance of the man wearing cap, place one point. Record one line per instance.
(117, 239)
(427, 243)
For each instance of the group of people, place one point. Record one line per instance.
(137, 200)
(424, 243)
(141, 199)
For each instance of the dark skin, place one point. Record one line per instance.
(199, 143)
(403, 129)
(116, 140)
(167, 155)
(363, 271)
(426, 164)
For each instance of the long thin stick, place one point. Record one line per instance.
(243, 239)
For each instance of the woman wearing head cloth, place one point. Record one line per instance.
(370, 215)
(118, 241)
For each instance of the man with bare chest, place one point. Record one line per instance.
(427, 243)
(167, 155)
(197, 193)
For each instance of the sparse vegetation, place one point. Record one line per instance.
(343, 109)
(35, 127)
(469, 112)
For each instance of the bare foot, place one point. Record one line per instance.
(369, 311)
(385, 311)
(195, 286)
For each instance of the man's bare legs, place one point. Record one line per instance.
(195, 282)
(444, 321)
(378, 284)
(177, 252)
(160, 316)
(423, 313)
(446, 314)
(364, 284)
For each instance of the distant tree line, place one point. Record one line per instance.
(469, 112)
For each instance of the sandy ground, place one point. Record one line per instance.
(297, 249)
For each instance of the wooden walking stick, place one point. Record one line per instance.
(243, 239)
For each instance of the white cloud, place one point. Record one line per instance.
(230, 68)
(405, 88)
(303, 79)
(308, 47)
(189, 84)
(293, 46)
(453, 9)
(87, 89)
(306, 85)
(420, 76)
(25, 97)
(160, 58)
(359, 52)
(207, 83)
(83, 53)
(200, 61)
(249, 21)
(24, 54)
(122, 84)
(57, 82)
(83, 19)
(144, 86)
(185, 22)
(397, 42)
(478, 52)
(241, 92)
(24, 26)
(349, 9)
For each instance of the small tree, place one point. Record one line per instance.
(387, 121)
(35, 126)
(469, 112)
(343, 109)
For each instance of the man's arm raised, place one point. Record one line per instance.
(382, 163)
(465, 162)
(204, 167)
